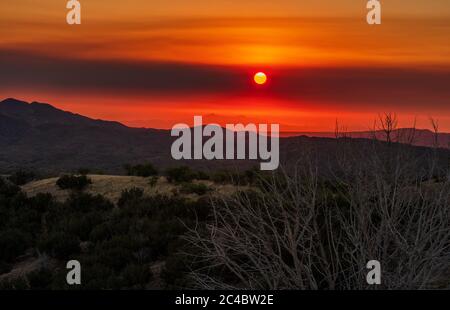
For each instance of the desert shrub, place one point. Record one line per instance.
(180, 174)
(136, 276)
(13, 243)
(130, 196)
(73, 182)
(178, 265)
(96, 276)
(220, 177)
(122, 242)
(82, 225)
(40, 279)
(143, 170)
(19, 283)
(60, 245)
(152, 181)
(27, 218)
(83, 202)
(83, 171)
(202, 175)
(237, 178)
(195, 188)
(7, 191)
(115, 258)
(101, 232)
(42, 202)
(22, 177)
(5, 267)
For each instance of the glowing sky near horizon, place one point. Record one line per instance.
(156, 63)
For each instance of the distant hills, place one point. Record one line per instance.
(418, 137)
(41, 137)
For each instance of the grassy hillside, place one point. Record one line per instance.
(112, 186)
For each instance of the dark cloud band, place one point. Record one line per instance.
(401, 87)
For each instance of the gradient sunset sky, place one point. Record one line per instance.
(157, 63)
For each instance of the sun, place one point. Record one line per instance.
(260, 78)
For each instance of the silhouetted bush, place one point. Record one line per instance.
(40, 279)
(84, 171)
(13, 243)
(195, 188)
(87, 202)
(5, 267)
(22, 177)
(73, 182)
(144, 170)
(60, 245)
(129, 196)
(201, 175)
(19, 283)
(180, 174)
(7, 190)
(136, 276)
(152, 181)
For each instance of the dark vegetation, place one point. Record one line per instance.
(73, 182)
(174, 242)
(116, 245)
(141, 170)
(22, 177)
(309, 228)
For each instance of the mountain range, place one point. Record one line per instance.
(41, 137)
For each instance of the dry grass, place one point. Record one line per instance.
(111, 187)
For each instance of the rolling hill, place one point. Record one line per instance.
(41, 137)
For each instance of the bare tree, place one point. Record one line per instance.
(411, 134)
(299, 230)
(388, 124)
(435, 126)
(340, 131)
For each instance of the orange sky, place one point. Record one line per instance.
(156, 63)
